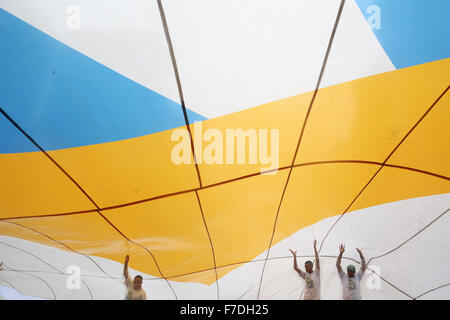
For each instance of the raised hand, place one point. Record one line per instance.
(316, 254)
(338, 261)
(127, 258)
(293, 252)
(359, 251)
(1, 265)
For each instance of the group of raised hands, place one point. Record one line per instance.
(294, 252)
(341, 249)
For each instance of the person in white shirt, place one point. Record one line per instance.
(311, 276)
(135, 291)
(350, 281)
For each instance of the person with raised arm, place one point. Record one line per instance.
(135, 291)
(350, 281)
(311, 276)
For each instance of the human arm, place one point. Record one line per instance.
(316, 255)
(296, 268)
(338, 261)
(363, 261)
(125, 267)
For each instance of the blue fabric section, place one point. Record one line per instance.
(12, 139)
(64, 99)
(411, 31)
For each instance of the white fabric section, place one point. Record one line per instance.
(155, 289)
(245, 277)
(377, 230)
(281, 280)
(26, 284)
(376, 288)
(234, 54)
(423, 263)
(439, 294)
(126, 36)
(105, 288)
(19, 260)
(8, 293)
(60, 259)
(356, 52)
(58, 282)
(46, 285)
(195, 291)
